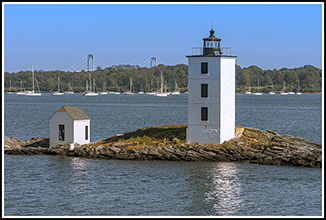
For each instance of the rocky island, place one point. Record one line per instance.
(168, 142)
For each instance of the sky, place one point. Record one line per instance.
(53, 36)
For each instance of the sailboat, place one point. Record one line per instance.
(10, 92)
(104, 90)
(291, 93)
(176, 90)
(298, 92)
(257, 93)
(283, 91)
(150, 91)
(33, 93)
(69, 89)
(141, 89)
(58, 93)
(86, 87)
(21, 89)
(165, 89)
(162, 94)
(272, 92)
(90, 92)
(249, 91)
(116, 92)
(131, 88)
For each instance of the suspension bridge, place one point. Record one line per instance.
(77, 67)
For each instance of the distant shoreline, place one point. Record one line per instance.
(187, 93)
(245, 77)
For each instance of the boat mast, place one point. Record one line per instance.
(284, 86)
(175, 85)
(161, 82)
(90, 83)
(104, 87)
(33, 77)
(164, 86)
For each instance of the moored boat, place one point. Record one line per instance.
(33, 93)
(10, 92)
(58, 92)
(257, 92)
(90, 92)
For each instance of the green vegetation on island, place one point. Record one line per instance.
(306, 79)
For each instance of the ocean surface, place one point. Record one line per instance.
(64, 186)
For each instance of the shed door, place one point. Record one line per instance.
(86, 132)
(61, 132)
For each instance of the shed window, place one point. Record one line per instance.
(204, 68)
(204, 113)
(86, 132)
(204, 91)
(61, 132)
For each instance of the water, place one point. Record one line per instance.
(64, 186)
(290, 114)
(27, 117)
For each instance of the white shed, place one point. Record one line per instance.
(69, 125)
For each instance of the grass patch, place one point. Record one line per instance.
(152, 134)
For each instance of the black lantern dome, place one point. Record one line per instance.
(212, 45)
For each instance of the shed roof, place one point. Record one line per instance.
(74, 112)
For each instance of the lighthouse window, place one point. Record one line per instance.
(61, 132)
(204, 91)
(204, 68)
(204, 113)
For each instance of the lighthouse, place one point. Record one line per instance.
(211, 98)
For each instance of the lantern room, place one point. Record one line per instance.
(212, 45)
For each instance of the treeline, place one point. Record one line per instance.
(309, 78)
(306, 79)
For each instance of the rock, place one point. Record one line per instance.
(250, 144)
(239, 131)
(181, 153)
(11, 142)
(115, 149)
(193, 156)
(154, 152)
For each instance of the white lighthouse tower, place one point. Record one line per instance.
(211, 98)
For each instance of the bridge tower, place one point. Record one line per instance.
(89, 56)
(153, 59)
